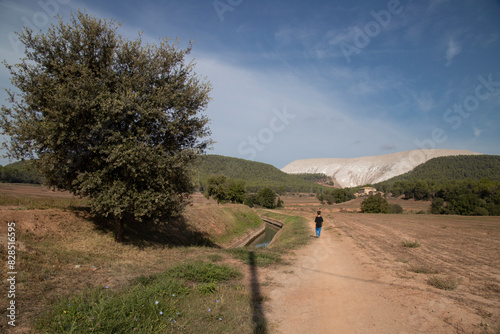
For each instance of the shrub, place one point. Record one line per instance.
(267, 198)
(437, 205)
(375, 204)
(250, 200)
(410, 244)
(443, 283)
(396, 208)
(480, 211)
(423, 269)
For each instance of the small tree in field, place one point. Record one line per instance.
(375, 204)
(112, 120)
(267, 198)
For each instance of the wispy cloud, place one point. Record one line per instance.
(453, 50)
(424, 101)
(477, 132)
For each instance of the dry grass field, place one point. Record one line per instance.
(442, 271)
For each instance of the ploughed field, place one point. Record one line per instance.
(466, 249)
(432, 257)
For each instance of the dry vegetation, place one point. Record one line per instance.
(62, 251)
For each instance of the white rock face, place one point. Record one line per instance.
(360, 171)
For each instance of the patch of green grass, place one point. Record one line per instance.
(410, 244)
(215, 257)
(204, 272)
(207, 288)
(164, 303)
(443, 283)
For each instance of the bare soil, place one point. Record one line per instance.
(32, 191)
(358, 278)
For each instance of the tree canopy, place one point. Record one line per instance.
(375, 204)
(117, 121)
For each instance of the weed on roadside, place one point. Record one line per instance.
(410, 244)
(423, 269)
(443, 283)
(204, 272)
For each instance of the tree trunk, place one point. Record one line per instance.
(119, 229)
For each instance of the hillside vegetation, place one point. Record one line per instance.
(18, 172)
(464, 185)
(462, 167)
(256, 175)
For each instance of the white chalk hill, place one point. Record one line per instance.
(368, 170)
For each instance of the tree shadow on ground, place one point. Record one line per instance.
(175, 232)
(259, 317)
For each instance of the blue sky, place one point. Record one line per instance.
(320, 79)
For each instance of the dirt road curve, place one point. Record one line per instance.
(357, 277)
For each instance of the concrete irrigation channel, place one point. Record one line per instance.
(262, 237)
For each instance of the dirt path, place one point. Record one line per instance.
(337, 285)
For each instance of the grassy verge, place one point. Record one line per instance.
(74, 278)
(294, 233)
(194, 297)
(242, 219)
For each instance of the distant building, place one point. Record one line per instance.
(367, 191)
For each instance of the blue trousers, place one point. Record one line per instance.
(318, 231)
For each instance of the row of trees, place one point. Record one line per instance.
(334, 195)
(14, 175)
(461, 197)
(224, 189)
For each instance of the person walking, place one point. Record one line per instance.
(319, 223)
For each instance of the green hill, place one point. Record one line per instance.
(255, 174)
(454, 168)
(463, 185)
(17, 172)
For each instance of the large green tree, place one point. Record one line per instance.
(117, 121)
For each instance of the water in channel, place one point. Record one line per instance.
(265, 238)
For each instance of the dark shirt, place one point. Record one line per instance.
(318, 221)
